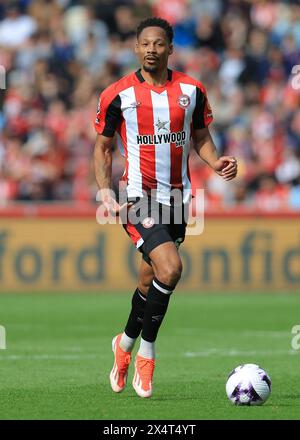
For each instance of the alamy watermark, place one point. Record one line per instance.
(153, 207)
(295, 339)
(2, 338)
(295, 82)
(2, 77)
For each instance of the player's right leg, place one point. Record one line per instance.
(167, 269)
(154, 238)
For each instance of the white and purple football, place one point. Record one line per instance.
(248, 384)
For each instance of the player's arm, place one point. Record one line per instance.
(225, 166)
(107, 118)
(103, 171)
(103, 164)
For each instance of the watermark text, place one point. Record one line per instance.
(296, 77)
(2, 338)
(153, 208)
(2, 77)
(295, 339)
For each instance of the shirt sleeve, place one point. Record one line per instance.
(108, 114)
(202, 115)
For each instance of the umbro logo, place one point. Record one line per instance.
(135, 104)
(157, 317)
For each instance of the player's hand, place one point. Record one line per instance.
(226, 167)
(111, 205)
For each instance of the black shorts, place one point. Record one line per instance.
(150, 224)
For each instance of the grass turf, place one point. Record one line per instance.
(58, 357)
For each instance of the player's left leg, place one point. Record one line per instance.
(123, 343)
(134, 324)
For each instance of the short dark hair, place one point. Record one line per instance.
(158, 22)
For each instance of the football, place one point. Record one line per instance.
(248, 384)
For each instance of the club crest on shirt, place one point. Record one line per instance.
(183, 101)
(148, 222)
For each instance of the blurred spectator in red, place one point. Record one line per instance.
(270, 196)
(170, 10)
(60, 54)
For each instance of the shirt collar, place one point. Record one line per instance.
(141, 79)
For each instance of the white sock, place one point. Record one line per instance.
(147, 349)
(126, 343)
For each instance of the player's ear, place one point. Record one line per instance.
(171, 47)
(136, 46)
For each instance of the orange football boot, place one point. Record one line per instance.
(143, 376)
(118, 374)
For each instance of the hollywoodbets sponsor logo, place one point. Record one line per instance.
(177, 138)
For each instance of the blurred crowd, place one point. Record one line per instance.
(59, 54)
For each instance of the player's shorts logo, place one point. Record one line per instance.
(148, 222)
(183, 101)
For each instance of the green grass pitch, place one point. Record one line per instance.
(58, 356)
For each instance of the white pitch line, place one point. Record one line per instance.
(38, 347)
(246, 333)
(234, 352)
(188, 354)
(43, 357)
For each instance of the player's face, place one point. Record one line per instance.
(153, 49)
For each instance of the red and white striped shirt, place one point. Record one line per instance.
(154, 125)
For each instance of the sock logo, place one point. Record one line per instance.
(157, 318)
